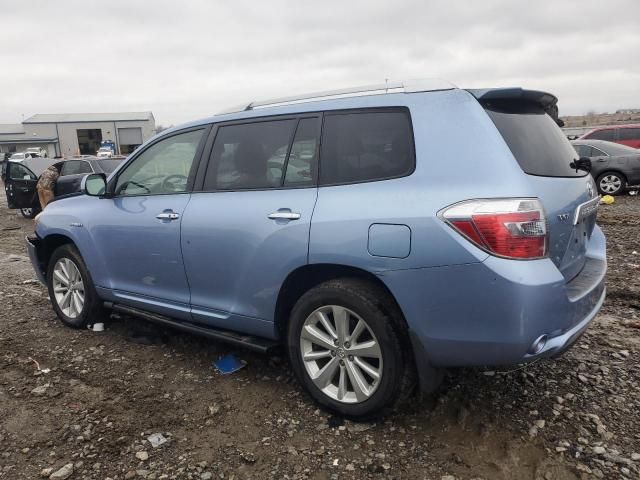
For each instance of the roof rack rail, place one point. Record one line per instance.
(379, 89)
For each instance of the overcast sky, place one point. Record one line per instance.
(188, 59)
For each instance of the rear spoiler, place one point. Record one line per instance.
(502, 96)
(488, 95)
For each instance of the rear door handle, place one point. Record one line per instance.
(284, 215)
(168, 216)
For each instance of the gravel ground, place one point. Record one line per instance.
(83, 405)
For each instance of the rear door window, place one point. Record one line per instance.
(629, 133)
(608, 134)
(366, 146)
(301, 164)
(250, 155)
(536, 141)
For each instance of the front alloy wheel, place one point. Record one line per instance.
(28, 212)
(341, 354)
(68, 287)
(71, 290)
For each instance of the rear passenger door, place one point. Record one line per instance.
(248, 227)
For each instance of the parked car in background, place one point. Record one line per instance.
(37, 151)
(354, 253)
(22, 177)
(104, 152)
(624, 134)
(18, 156)
(614, 167)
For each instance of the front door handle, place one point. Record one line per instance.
(284, 215)
(168, 216)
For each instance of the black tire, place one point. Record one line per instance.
(621, 178)
(92, 310)
(384, 319)
(29, 212)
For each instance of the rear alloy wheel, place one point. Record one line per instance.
(611, 183)
(71, 290)
(341, 354)
(348, 346)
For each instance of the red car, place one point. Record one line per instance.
(624, 134)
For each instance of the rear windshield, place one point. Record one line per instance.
(536, 142)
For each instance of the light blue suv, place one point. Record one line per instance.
(379, 234)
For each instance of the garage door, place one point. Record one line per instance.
(130, 136)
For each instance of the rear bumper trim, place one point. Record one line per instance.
(589, 277)
(556, 346)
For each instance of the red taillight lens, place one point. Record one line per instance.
(512, 228)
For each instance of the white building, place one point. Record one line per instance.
(78, 133)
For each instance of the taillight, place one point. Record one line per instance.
(511, 228)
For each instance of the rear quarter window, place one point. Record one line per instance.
(366, 146)
(536, 141)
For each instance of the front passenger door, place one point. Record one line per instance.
(137, 232)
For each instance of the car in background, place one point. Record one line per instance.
(37, 151)
(613, 166)
(19, 156)
(104, 152)
(624, 134)
(22, 177)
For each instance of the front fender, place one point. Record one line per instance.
(66, 217)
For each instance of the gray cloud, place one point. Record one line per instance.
(189, 59)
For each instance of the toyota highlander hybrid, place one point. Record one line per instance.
(379, 234)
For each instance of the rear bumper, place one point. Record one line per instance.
(492, 313)
(33, 244)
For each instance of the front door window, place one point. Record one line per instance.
(163, 168)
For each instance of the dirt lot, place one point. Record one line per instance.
(103, 394)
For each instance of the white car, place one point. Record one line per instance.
(104, 152)
(37, 151)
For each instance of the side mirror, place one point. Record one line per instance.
(583, 163)
(94, 184)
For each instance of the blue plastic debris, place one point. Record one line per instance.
(229, 364)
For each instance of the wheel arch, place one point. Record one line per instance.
(308, 276)
(48, 245)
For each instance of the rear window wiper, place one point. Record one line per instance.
(582, 163)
